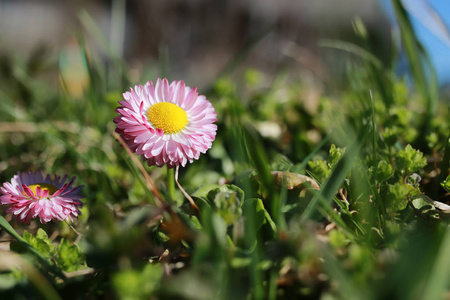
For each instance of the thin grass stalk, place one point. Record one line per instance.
(272, 294)
(310, 156)
(43, 287)
(171, 183)
(424, 79)
(256, 274)
(337, 176)
(150, 185)
(437, 282)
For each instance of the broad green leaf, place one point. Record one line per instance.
(220, 230)
(420, 203)
(320, 169)
(20, 245)
(410, 160)
(70, 258)
(227, 201)
(7, 281)
(253, 211)
(203, 190)
(384, 171)
(41, 242)
(400, 115)
(396, 196)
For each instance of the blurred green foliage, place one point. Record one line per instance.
(374, 148)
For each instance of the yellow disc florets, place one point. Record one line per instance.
(44, 186)
(167, 116)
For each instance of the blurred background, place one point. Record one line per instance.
(200, 40)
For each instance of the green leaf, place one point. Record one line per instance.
(240, 262)
(419, 203)
(384, 171)
(410, 160)
(254, 212)
(338, 239)
(136, 284)
(212, 240)
(41, 242)
(227, 201)
(335, 156)
(203, 190)
(22, 245)
(320, 169)
(446, 184)
(396, 196)
(337, 176)
(8, 281)
(70, 258)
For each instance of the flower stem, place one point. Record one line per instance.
(171, 183)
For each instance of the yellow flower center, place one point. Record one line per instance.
(167, 116)
(44, 186)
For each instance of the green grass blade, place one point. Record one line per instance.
(353, 49)
(337, 176)
(437, 282)
(260, 162)
(10, 230)
(305, 161)
(424, 76)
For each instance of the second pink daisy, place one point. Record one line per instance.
(33, 195)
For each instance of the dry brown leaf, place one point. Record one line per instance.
(293, 181)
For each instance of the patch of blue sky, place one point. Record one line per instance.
(432, 31)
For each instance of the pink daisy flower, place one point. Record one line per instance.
(166, 123)
(31, 195)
